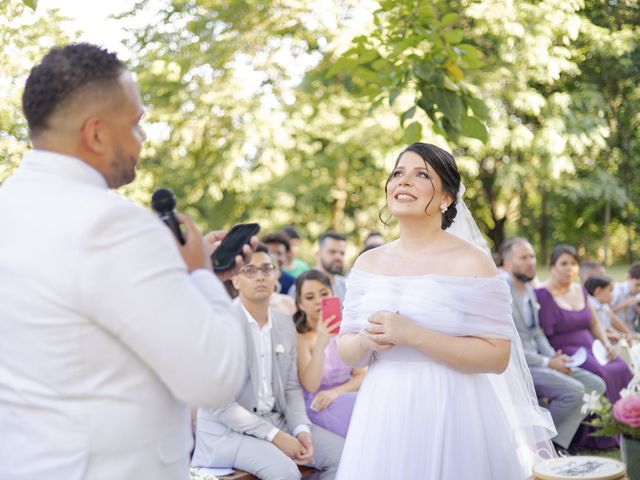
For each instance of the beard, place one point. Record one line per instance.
(523, 277)
(122, 168)
(334, 268)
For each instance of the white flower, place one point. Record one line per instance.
(196, 475)
(625, 392)
(591, 402)
(279, 349)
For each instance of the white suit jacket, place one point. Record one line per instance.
(104, 337)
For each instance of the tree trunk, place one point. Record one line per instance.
(544, 228)
(341, 196)
(607, 221)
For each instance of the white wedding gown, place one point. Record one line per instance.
(416, 418)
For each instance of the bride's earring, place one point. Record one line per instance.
(444, 207)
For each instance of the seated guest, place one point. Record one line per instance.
(625, 302)
(330, 261)
(373, 240)
(562, 386)
(265, 431)
(294, 266)
(570, 322)
(278, 245)
(600, 288)
(278, 301)
(330, 385)
(588, 269)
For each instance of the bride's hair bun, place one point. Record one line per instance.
(449, 215)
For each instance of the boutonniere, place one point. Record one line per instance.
(536, 305)
(279, 349)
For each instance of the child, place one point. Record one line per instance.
(600, 288)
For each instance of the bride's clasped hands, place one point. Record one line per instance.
(387, 329)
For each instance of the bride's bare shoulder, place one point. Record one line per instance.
(372, 260)
(470, 260)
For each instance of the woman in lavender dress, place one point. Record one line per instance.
(330, 385)
(569, 321)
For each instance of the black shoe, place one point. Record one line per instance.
(561, 451)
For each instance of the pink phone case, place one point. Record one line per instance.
(331, 306)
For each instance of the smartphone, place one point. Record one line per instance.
(224, 258)
(331, 306)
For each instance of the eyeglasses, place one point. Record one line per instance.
(251, 271)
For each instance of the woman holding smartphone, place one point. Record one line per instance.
(448, 394)
(329, 384)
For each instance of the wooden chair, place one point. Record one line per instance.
(241, 475)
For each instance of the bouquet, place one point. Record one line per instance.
(623, 418)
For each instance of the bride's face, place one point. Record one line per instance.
(414, 188)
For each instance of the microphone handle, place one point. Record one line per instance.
(170, 220)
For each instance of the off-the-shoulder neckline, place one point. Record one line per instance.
(429, 275)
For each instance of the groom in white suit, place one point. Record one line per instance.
(109, 330)
(266, 430)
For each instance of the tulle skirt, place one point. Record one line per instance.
(423, 420)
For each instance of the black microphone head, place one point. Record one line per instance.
(163, 200)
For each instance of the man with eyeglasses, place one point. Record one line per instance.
(266, 430)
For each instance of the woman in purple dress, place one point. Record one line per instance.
(569, 321)
(329, 384)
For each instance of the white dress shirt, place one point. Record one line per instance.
(622, 292)
(603, 311)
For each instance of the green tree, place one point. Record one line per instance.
(239, 132)
(608, 55)
(26, 36)
(420, 48)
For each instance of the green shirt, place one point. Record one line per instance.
(299, 266)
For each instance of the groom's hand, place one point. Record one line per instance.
(194, 251)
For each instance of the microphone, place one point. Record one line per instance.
(164, 202)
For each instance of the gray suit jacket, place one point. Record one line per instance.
(218, 432)
(534, 342)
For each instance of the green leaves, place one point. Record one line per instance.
(450, 105)
(417, 41)
(472, 127)
(407, 115)
(454, 36)
(554, 82)
(449, 19)
(412, 134)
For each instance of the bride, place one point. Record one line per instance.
(448, 395)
